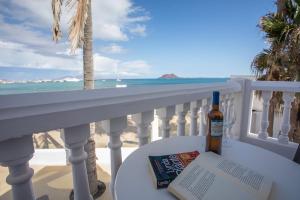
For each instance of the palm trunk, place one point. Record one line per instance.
(88, 78)
(271, 115)
(88, 65)
(281, 6)
(298, 74)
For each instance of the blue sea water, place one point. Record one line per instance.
(17, 88)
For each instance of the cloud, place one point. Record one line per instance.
(11, 45)
(134, 68)
(138, 30)
(26, 41)
(113, 49)
(112, 19)
(19, 55)
(113, 67)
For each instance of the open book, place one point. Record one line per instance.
(211, 177)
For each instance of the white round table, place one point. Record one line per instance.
(133, 181)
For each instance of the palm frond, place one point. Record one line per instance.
(56, 11)
(297, 15)
(273, 25)
(290, 9)
(77, 22)
(261, 63)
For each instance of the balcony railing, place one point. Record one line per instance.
(23, 115)
(280, 145)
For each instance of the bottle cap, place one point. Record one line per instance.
(216, 97)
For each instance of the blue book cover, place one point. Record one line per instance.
(166, 168)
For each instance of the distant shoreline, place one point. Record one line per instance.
(31, 87)
(97, 79)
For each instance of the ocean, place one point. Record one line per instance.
(17, 88)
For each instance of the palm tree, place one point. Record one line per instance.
(281, 62)
(80, 36)
(283, 32)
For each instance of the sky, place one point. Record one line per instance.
(135, 38)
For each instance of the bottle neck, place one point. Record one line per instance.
(215, 106)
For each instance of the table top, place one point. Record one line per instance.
(134, 182)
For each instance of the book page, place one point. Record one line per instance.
(250, 180)
(212, 177)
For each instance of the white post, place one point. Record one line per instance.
(226, 112)
(194, 108)
(230, 115)
(67, 151)
(288, 98)
(155, 128)
(143, 120)
(75, 138)
(15, 154)
(263, 134)
(203, 114)
(181, 111)
(165, 115)
(243, 105)
(114, 127)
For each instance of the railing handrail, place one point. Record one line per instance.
(282, 86)
(24, 114)
(41, 98)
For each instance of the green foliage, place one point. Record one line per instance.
(282, 30)
(273, 25)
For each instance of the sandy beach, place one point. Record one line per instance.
(128, 137)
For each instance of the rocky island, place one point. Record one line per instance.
(168, 76)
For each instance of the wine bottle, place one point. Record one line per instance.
(215, 126)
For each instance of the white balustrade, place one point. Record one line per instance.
(73, 111)
(181, 110)
(15, 154)
(165, 115)
(284, 148)
(288, 98)
(75, 138)
(266, 96)
(194, 109)
(143, 121)
(206, 103)
(114, 127)
(20, 116)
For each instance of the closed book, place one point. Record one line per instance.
(165, 168)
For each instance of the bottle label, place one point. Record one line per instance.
(216, 127)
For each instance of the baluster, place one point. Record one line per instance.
(288, 98)
(222, 103)
(165, 115)
(266, 96)
(15, 154)
(226, 113)
(203, 113)
(181, 111)
(75, 138)
(114, 127)
(143, 120)
(155, 128)
(195, 105)
(230, 116)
